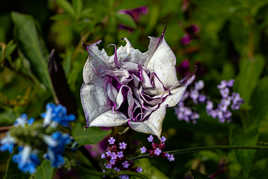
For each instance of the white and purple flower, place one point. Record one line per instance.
(130, 87)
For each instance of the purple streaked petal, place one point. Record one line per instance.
(153, 125)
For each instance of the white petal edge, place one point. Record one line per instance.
(153, 125)
(130, 54)
(162, 61)
(109, 119)
(176, 95)
(94, 100)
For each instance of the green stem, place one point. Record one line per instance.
(130, 173)
(214, 147)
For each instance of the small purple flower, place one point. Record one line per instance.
(202, 98)
(157, 151)
(125, 164)
(143, 149)
(111, 140)
(120, 154)
(124, 177)
(186, 39)
(103, 156)
(112, 161)
(209, 105)
(139, 170)
(150, 138)
(108, 153)
(108, 165)
(237, 101)
(163, 139)
(135, 13)
(195, 116)
(116, 169)
(199, 85)
(122, 145)
(224, 92)
(230, 83)
(113, 156)
(194, 95)
(222, 85)
(170, 157)
(227, 114)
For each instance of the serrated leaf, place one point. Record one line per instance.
(31, 45)
(125, 20)
(66, 6)
(90, 135)
(44, 171)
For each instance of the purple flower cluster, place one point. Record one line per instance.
(115, 158)
(190, 34)
(230, 101)
(186, 113)
(156, 149)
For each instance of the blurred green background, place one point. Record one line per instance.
(232, 44)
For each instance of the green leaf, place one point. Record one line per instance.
(248, 137)
(259, 100)
(44, 171)
(125, 20)
(66, 6)
(77, 5)
(149, 170)
(31, 46)
(250, 71)
(90, 135)
(86, 13)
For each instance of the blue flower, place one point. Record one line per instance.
(23, 120)
(7, 143)
(56, 144)
(57, 114)
(26, 159)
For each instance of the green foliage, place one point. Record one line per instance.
(32, 47)
(91, 135)
(232, 44)
(149, 170)
(44, 171)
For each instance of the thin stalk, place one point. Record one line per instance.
(214, 147)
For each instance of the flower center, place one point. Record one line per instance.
(135, 93)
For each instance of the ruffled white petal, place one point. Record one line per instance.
(129, 54)
(109, 119)
(94, 100)
(174, 98)
(153, 125)
(162, 61)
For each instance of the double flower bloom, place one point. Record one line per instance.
(130, 87)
